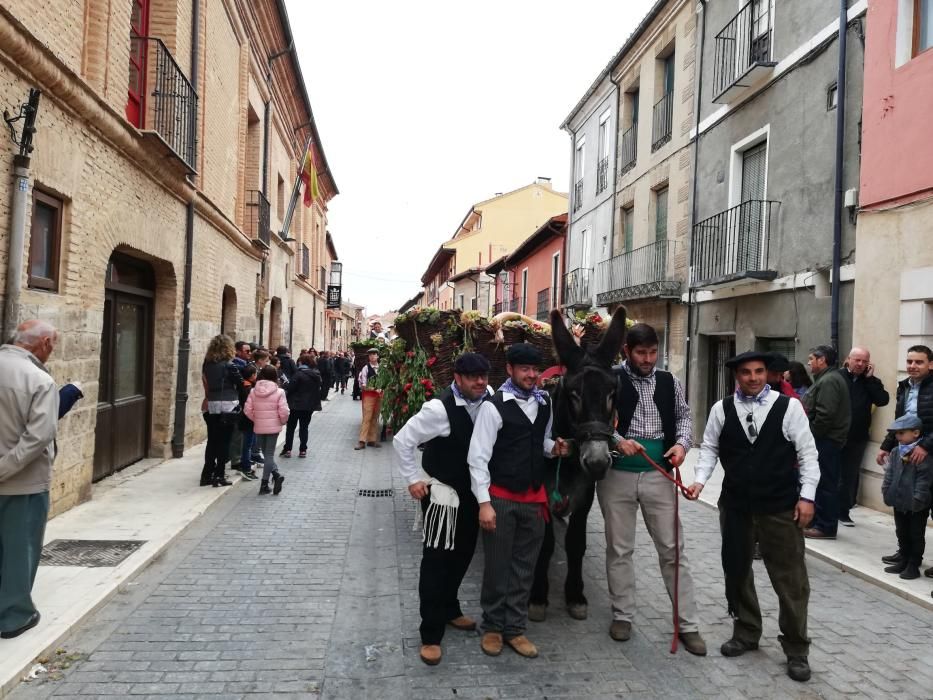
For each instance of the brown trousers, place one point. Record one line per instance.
(369, 430)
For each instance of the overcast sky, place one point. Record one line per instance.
(425, 108)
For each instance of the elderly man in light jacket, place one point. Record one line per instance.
(28, 420)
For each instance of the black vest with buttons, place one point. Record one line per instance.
(517, 461)
(445, 458)
(760, 477)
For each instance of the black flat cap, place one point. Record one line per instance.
(777, 362)
(523, 354)
(471, 363)
(748, 356)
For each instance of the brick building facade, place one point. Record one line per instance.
(191, 154)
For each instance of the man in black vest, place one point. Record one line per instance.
(510, 442)
(654, 420)
(444, 425)
(762, 437)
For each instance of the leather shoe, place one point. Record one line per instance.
(491, 644)
(896, 568)
(798, 669)
(620, 630)
(737, 647)
(30, 623)
(467, 624)
(910, 572)
(895, 558)
(523, 646)
(373, 444)
(360, 446)
(431, 654)
(537, 612)
(814, 534)
(693, 643)
(929, 572)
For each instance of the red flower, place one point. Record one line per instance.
(431, 361)
(407, 387)
(597, 318)
(410, 353)
(405, 408)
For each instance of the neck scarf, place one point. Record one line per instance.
(759, 399)
(456, 391)
(518, 393)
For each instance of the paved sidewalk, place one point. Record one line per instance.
(314, 594)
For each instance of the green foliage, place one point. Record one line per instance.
(406, 383)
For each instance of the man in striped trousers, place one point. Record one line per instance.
(511, 439)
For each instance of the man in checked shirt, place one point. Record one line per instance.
(654, 419)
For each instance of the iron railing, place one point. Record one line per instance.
(745, 42)
(578, 195)
(733, 244)
(577, 287)
(544, 304)
(662, 121)
(322, 271)
(257, 217)
(305, 261)
(602, 174)
(507, 305)
(638, 274)
(172, 111)
(628, 149)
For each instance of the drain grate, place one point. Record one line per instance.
(89, 553)
(376, 493)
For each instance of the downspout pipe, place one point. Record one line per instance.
(693, 195)
(14, 265)
(184, 342)
(840, 153)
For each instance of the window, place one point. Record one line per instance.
(786, 346)
(461, 307)
(139, 28)
(585, 249)
(628, 228)
(923, 25)
(555, 280)
(580, 159)
(604, 134)
(281, 198)
(524, 289)
(660, 214)
(832, 97)
(473, 303)
(45, 235)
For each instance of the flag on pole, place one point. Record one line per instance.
(309, 177)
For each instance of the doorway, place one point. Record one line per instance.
(125, 390)
(720, 349)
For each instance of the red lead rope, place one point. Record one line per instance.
(683, 489)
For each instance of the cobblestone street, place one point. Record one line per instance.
(314, 594)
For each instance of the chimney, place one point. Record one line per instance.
(545, 181)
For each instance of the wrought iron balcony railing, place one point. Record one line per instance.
(577, 287)
(544, 304)
(662, 121)
(305, 261)
(578, 195)
(743, 50)
(506, 305)
(733, 245)
(602, 174)
(639, 274)
(172, 108)
(628, 148)
(257, 217)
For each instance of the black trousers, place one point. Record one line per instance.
(442, 571)
(910, 528)
(851, 466)
(217, 452)
(300, 419)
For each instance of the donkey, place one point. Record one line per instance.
(584, 403)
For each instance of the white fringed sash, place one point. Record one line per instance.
(441, 516)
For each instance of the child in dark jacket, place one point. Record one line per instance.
(906, 488)
(248, 372)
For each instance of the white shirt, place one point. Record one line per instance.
(486, 428)
(796, 429)
(429, 423)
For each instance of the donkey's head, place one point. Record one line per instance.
(587, 392)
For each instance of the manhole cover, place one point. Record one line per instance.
(89, 553)
(376, 493)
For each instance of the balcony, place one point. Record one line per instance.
(628, 149)
(544, 304)
(577, 288)
(602, 174)
(170, 113)
(733, 245)
(643, 273)
(257, 218)
(507, 305)
(743, 51)
(305, 262)
(578, 195)
(662, 120)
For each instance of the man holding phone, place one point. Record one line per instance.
(865, 392)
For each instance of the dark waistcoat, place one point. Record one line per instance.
(445, 458)
(627, 398)
(517, 461)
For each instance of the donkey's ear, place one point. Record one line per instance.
(568, 352)
(611, 343)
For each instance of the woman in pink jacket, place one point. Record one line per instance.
(268, 409)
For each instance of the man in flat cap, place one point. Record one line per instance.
(444, 425)
(511, 440)
(372, 401)
(761, 436)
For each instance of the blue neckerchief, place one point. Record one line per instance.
(535, 392)
(905, 450)
(456, 390)
(759, 399)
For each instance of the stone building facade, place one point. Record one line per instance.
(188, 157)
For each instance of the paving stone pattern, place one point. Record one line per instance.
(314, 594)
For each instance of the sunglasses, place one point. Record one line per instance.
(752, 430)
